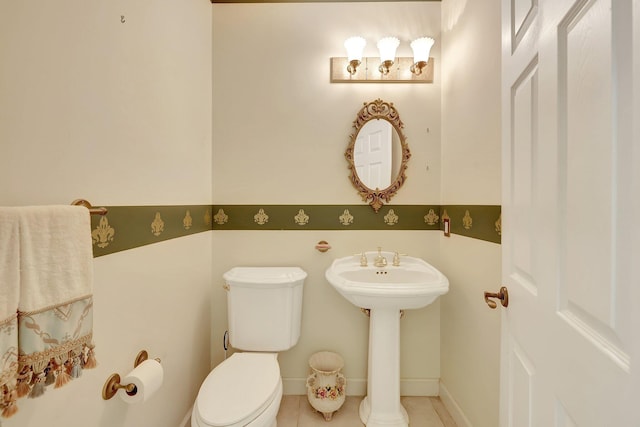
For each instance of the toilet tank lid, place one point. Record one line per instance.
(238, 389)
(278, 276)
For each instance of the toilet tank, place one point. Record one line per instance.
(264, 307)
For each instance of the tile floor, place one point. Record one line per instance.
(295, 411)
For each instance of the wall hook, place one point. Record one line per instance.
(122, 19)
(323, 246)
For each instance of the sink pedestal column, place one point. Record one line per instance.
(381, 407)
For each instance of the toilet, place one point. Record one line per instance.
(264, 311)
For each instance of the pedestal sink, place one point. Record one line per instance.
(385, 291)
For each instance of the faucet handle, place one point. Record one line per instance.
(363, 260)
(396, 259)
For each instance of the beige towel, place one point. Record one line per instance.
(9, 294)
(55, 310)
(56, 264)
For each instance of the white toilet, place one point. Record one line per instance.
(264, 310)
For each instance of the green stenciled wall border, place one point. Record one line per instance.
(133, 226)
(324, 217)
(128, 227)
(486, 221)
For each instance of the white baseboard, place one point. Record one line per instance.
(454, 409)
(358, 387)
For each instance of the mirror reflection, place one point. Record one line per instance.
(377, 153)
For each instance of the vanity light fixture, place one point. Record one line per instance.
(421, 48)
(387, 47)
(387, 68)
(355, 47)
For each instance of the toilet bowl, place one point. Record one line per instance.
(245, 390)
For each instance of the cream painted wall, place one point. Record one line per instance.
(470, 175)
(280, 132)
(470, 332)
(119, 114)
(471, 135)
(281, 128)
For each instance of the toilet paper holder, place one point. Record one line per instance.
(112, 385)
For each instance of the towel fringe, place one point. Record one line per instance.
(24, 379)
(38, 386)
(50, 377)
(62, 376)
(8, 402)
(90, 361)
(36, 373)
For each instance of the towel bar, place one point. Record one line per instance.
(92, 210)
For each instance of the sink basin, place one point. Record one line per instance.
(385, 291)
(413, 284)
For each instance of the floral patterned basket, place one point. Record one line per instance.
(326, 385)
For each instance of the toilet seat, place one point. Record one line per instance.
(238, 390)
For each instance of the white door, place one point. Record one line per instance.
(570, 213)
(372, 154)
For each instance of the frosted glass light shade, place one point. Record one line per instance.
(421, 48)
(387, 47)
(355, 47)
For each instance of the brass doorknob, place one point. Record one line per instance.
(502, 295)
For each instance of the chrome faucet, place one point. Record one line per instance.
(380, 261)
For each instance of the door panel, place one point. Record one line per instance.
(523, 14)
(521, 372)
(562, 418)
(523, 140)
(586, 164)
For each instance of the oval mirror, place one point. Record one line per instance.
(377, 153)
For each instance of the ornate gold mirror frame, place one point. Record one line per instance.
(377, 110)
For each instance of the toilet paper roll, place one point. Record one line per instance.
(147, 377)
